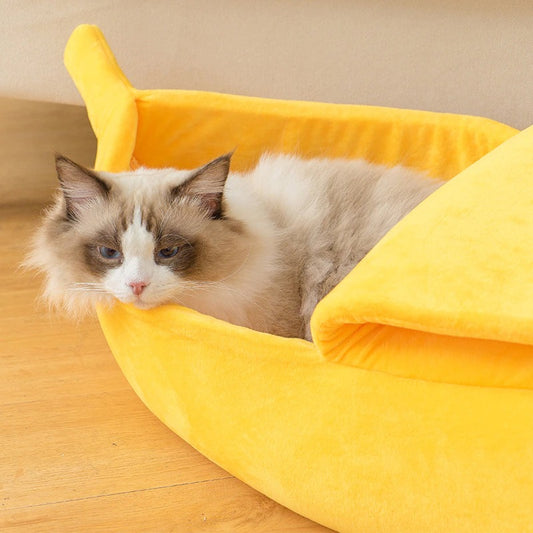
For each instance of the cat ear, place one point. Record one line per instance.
(207, 185)
(80, 186)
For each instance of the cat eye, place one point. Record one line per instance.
(167, 253)
(109, 253)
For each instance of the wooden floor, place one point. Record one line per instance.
(79, 452)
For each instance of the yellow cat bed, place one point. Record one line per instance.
(413, 409)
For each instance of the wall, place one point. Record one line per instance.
(472, 57)
(30, 133)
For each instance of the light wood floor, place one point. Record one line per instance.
(79, 452)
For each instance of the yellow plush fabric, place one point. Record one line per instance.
(459, 273)
(413, 409)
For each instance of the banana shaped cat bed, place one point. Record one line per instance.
(413, 408)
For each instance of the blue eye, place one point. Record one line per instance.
(109, 253)
(167, 253)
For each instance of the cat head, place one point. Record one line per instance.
(146, 237)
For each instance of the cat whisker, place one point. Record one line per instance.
(79, 289)
(210, 285)
(86, 287)
(178, 301)
(236, 271)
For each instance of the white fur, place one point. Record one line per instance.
(138, 249)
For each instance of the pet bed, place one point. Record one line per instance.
(413, 408)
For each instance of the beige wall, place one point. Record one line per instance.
(30, 134)
(470, 56)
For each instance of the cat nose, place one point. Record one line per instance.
(138, 287)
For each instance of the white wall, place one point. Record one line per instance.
(471, 56)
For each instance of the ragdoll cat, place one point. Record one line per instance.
(257, 249)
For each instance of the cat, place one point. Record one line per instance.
(258, 249)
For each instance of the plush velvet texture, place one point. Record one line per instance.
(427, 422)
(460, 267)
